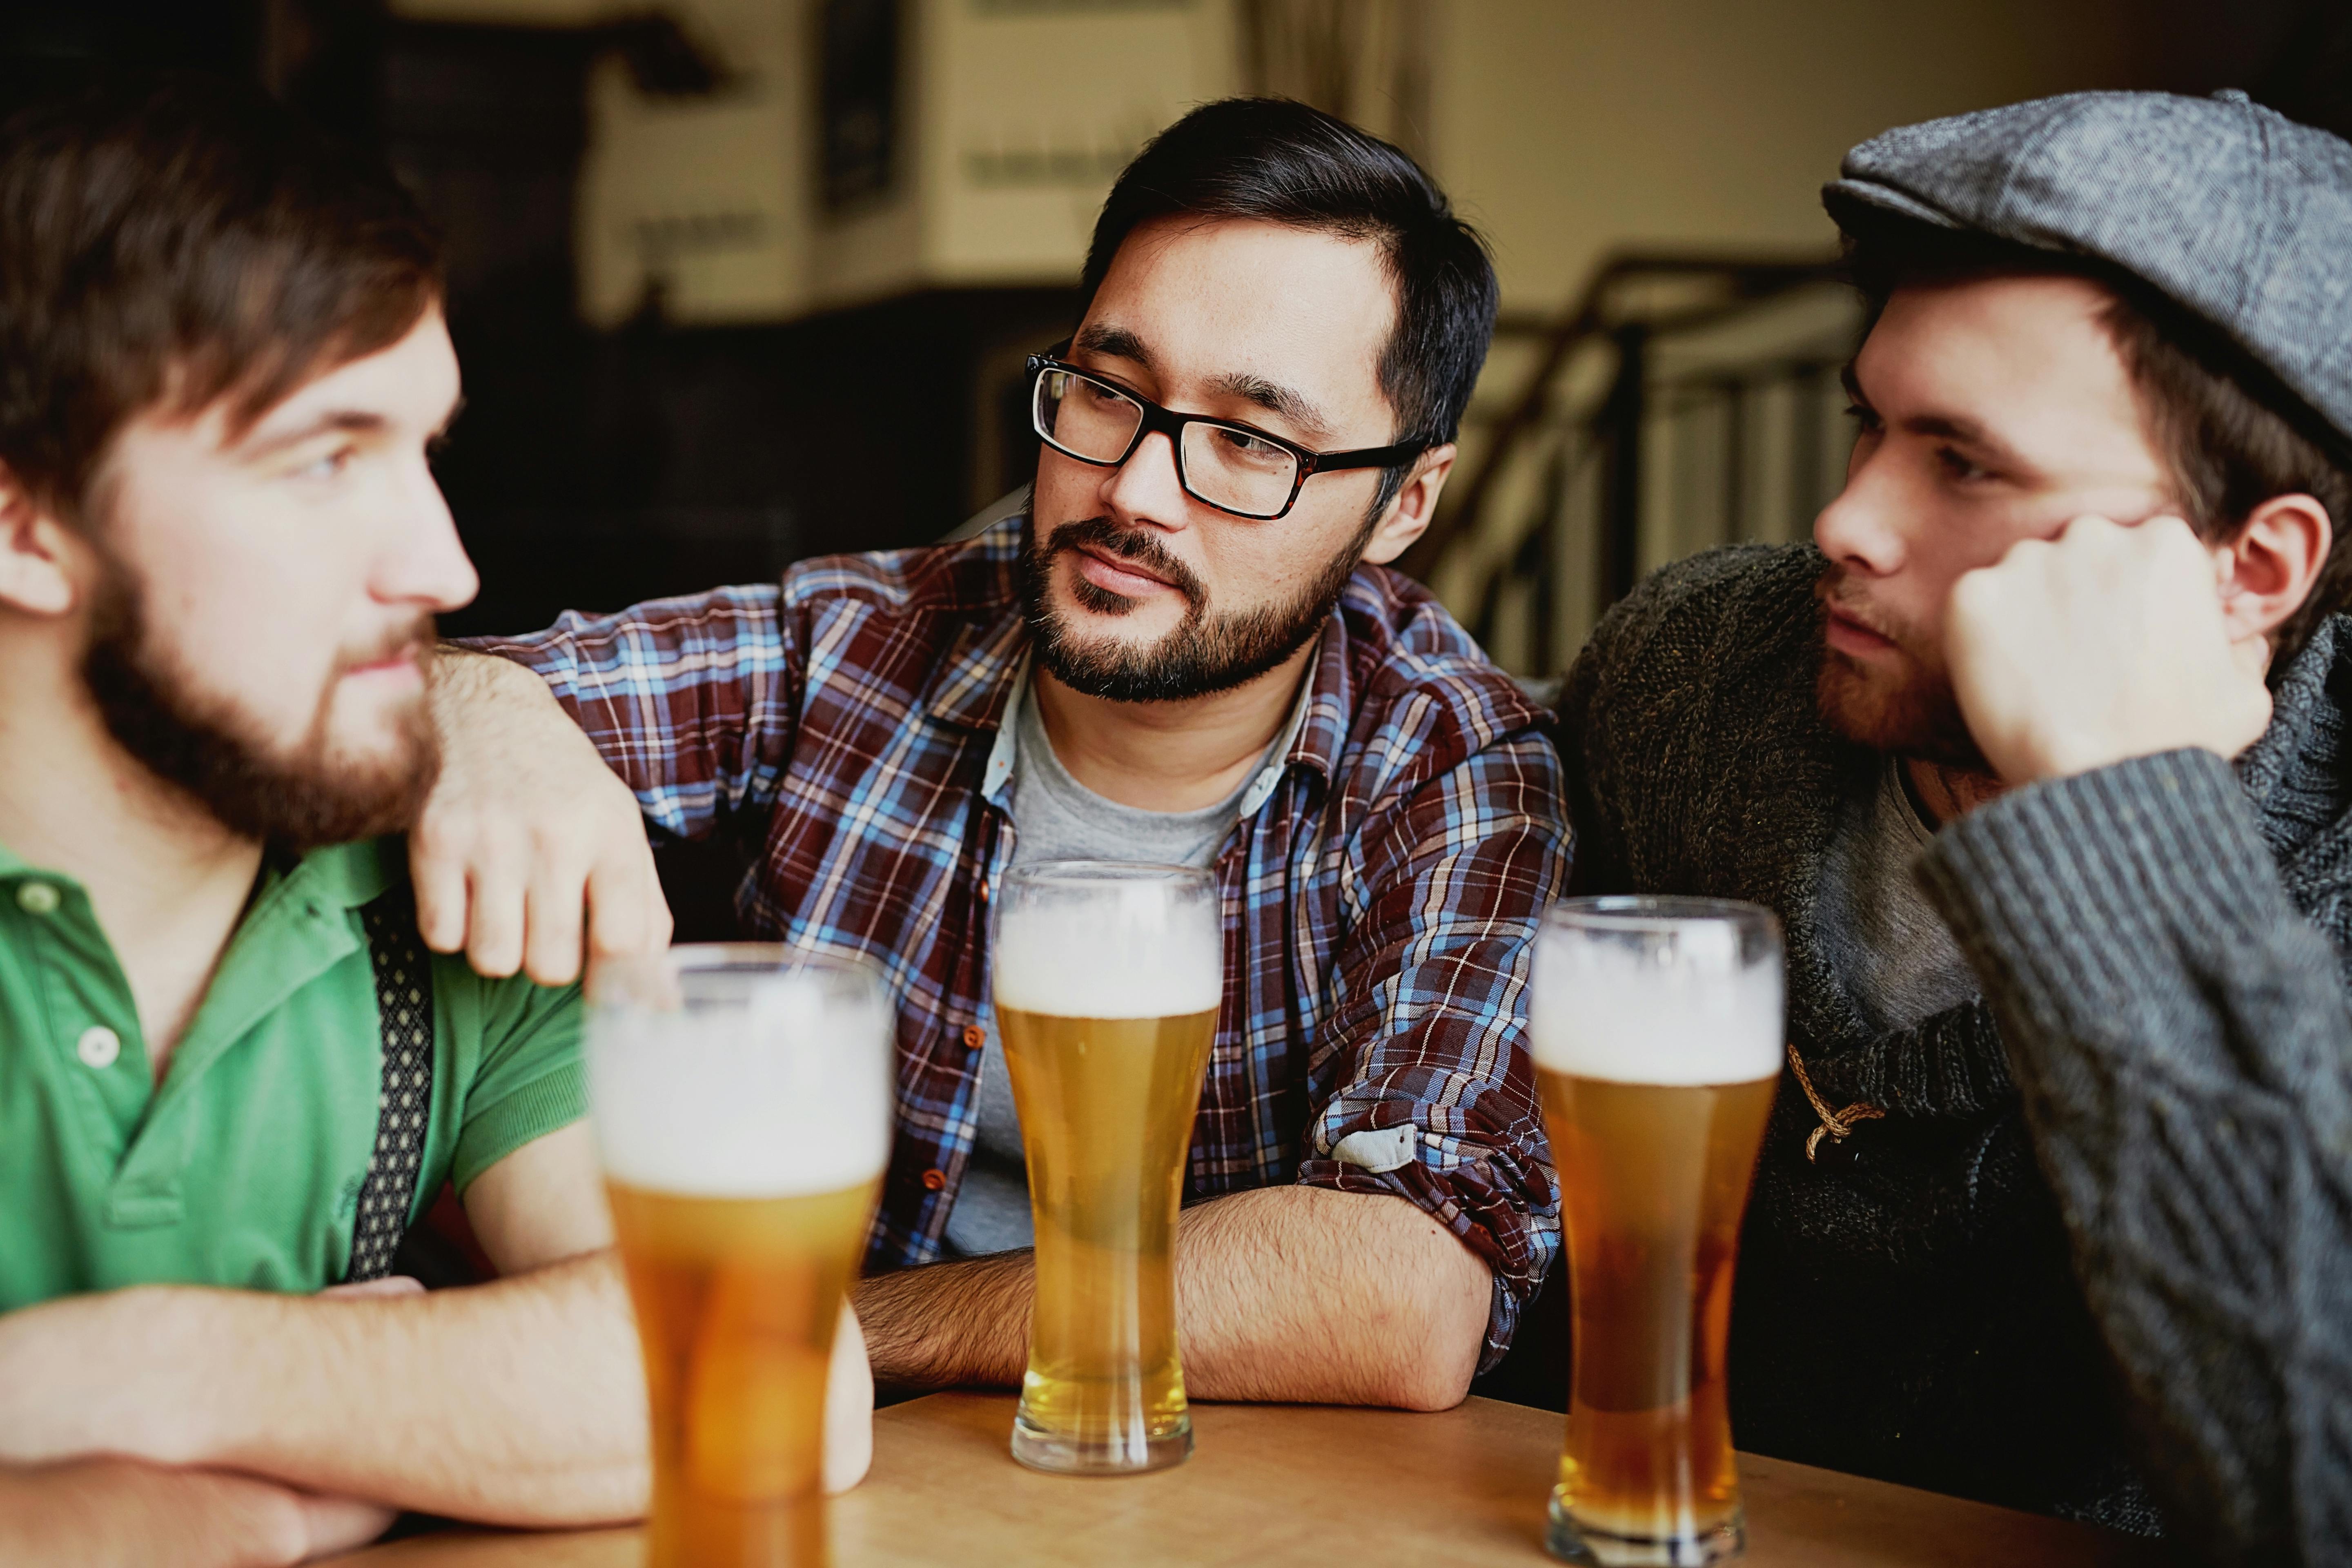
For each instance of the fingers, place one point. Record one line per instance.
(390, 1285)
(626, 912)
(340, 1524)
(551, 916)
(848, 1407)
(495, 900)
(437, 876)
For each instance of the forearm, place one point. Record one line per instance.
(116, 1513)
(1311, 1296)
(516, 1402)
(2179, 1034)
(950, 1324)
(1286, 1293)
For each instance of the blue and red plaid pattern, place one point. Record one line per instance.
(1381, 900)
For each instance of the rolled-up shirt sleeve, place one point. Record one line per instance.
(690, 700)
(1437, 1100)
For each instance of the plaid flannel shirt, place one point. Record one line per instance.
(1381, 889)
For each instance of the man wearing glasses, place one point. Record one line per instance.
(1188, 652)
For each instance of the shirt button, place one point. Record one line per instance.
(974, 1036)
(934, 1179)
(98, 1046)
(36, 898)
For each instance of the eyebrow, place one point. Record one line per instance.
(350, 421)
(1118, 343)
(1945, 426)
(1277, 398)
(346, 421)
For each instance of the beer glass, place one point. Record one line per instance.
(1655, 1025)
(742, 1099)
(1108, 978)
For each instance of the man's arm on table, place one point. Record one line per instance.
(519, 1402)
(119, 1513)
(2181, 1033)
(1286, 1293)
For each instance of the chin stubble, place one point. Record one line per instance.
(1201, 655)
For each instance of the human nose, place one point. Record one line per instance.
(1146, 489)
(1859, 528)
(425, 564)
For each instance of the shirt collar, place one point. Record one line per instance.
(345, 876)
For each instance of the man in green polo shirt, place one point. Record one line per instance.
(229, 1076)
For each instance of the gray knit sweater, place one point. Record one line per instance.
(2106, 1231)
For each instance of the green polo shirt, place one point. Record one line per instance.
(243, 1166)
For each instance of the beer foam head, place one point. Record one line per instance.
(1691, 1011)
(1122, 949)
(782, 1088)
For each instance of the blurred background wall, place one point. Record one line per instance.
(738, 281)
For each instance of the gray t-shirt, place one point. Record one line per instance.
(1056, 817)
(1887, 942)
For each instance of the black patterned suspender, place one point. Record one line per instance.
(404, 1003)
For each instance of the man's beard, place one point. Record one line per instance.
(1203, 654)
(1917, 716)
(299, 797)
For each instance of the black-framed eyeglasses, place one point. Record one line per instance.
(1236, 468)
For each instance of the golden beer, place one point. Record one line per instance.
(1653, 1179)
(741, 1100)
(1107, 1108)
(1656, 1028)
(1107, 979)
(737, 1299)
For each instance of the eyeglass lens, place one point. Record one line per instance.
(1223, 466)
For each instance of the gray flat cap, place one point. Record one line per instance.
(2232, 211)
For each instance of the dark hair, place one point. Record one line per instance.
(2229, 433)
(1280, 162)
(168, 241)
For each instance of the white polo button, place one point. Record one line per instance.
(37, 898)
(98, 1046)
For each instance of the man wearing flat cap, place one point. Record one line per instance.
(2041, 752)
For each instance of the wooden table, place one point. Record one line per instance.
(1276, 1485)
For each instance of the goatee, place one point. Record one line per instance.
(1203, 654)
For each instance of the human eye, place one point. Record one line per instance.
(1245, 447)
(1959, 467)
(1865, 418)
(331, 464)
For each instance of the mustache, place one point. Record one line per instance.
(1833, 590)
(1128, 545)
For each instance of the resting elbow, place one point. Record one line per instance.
(1437, 1382)
(1439, 1356)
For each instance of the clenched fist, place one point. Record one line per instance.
(2104, 644)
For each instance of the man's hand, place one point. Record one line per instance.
(2104, 644)
(118, 1513)
(526, 827)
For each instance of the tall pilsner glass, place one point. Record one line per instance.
(741, 1098)
(1108, 978)
(1656, 1027)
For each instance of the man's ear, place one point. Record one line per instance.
(1409, 516)
(2273, 562)
(36, 554)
